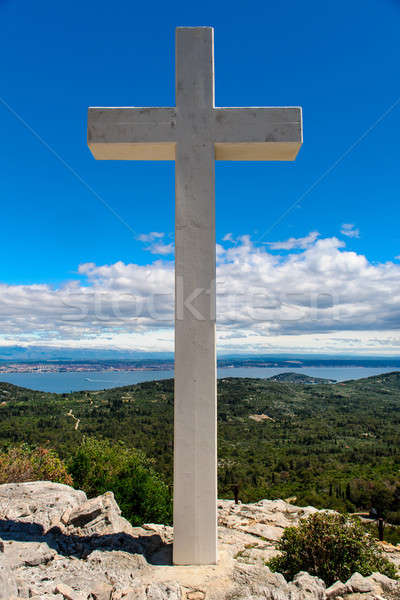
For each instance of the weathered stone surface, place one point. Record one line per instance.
(68, 593)
(359, 584)
(122, 568)
(97, 555)
(361, 596)
(100, 516)
(38, 502)
(29, 554)
(154, 591)
(382, 583)
(337, 589)
(101, 591)
(252, 581)
(8, 585)
(197, 595)
(307, 587)
(266, 519)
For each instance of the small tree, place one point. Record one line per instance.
(101, 465)
(330, 546)
(23, 463)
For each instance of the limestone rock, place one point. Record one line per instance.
(122, 568)
(266, 519)
(382, 583)
(102, 591)
(58, 545)
(359, 584)
(155, 591)
(68, 593)
(196, 595)
(258, 582)
(8, 585)
(39, 502)
(30, 554)
(165, 533)
(362, 596)
(308, 587)
(337, 589)
(100, 516)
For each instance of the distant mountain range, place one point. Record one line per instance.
(17, 359)
(48, 353)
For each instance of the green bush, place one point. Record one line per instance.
(330, 546)
(23, 463)
(100, 465)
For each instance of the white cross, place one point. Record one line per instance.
(195, 134)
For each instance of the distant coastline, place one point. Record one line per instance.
(70, 379)
(144, 365)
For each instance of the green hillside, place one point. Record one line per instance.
(299, 378)
(333, 445)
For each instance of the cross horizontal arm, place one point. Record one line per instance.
(132, 133)
(257, 133)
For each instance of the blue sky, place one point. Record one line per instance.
(339, 61)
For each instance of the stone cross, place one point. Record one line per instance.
(195, 133)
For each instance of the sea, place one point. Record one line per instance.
(98, 380)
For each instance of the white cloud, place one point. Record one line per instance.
(150, 237)
(228, 238)
(323, 298)
(160, 248)
(156, 245)
(350, 230)
(293, 243)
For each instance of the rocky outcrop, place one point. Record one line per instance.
(8, 584)
(58, 545)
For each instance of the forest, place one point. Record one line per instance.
(332, 445)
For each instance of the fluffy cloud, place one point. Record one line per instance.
(150, 237)
(160, 248)
(323, 298)
(350, 230)
(156, 243)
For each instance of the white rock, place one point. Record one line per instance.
(309, 587)
(360, 584)
(101, 591)
(38, 502)
(8, 585)
(384, 583)
(100, 516)
(155, 591)
(68, 593)
(337, 589)
(96, 554)
(30, 554)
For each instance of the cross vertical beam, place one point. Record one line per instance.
(195, 438)
(194, 133)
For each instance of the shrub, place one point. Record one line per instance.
(330, 546)
(23, 463)
(100, 465)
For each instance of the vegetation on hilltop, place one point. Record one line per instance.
(299, 378)
(329, 445)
